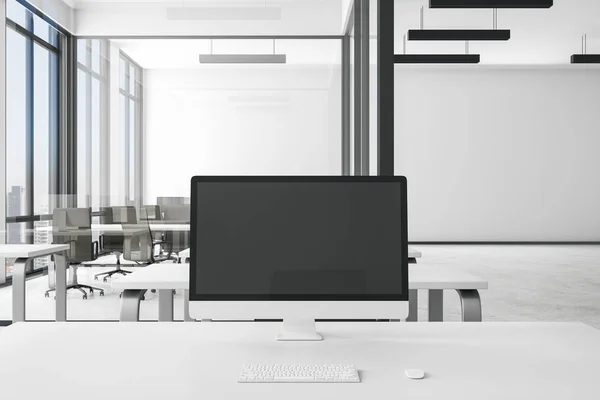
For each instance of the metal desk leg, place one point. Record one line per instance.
(471, 305)
(436, 305)
(18, 287)
(130, 305)
(165, 305)
(186, 306)
(60, 284)
(413, 305)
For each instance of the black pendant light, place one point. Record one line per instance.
(437, 58)
(585, 58)
(458, 34)
(491, 3)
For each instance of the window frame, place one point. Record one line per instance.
(58, 91)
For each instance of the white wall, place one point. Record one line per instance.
(228, 120)
(500, 154)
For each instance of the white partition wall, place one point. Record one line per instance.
(500, 154)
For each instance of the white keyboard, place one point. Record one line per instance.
(271, 373)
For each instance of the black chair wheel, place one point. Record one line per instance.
(47, 295)
(105, 279)
(102, 293)
(95, 278)
(85, 296)
(91, 291)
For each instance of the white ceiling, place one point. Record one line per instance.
(183, 53)
(539, 36)
(218, 17)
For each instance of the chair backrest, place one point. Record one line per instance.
(177, 213)
(166, 201)
(117, 215)
(150, 213)
(124, 215)
(73, 226)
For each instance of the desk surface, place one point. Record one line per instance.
(421, 276)
(31, 250)
(108, 228)
(191, 361)
(412, 253)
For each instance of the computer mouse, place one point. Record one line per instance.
(414, 373)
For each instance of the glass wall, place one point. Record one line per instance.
(32, 126)
(109, 126)
(92, 122)
(130, 124)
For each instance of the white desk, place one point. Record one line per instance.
(23, 254)
(151, 361)
(412, 254)
(118, 228)
(166, 277)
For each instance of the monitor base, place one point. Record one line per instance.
(301, 330)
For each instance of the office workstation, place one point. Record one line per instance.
(299, 199)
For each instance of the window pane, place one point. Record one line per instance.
(82, 140)
(132, 152)
(41, 132)
(16, 123)
(96, 55)
(132, 79)
(44, 30)
(17, 13)
(123, 73)
(95, 139)
(82, 51)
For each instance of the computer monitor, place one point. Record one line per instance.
(298, 249)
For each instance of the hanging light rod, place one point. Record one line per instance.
(437, 58)
(459, 34)
(491, 3)
(584, 57)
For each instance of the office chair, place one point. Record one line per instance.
(141, 247)
(113, 243)
(170, 201)
(176, 241)
(74, 226)
(150, 213)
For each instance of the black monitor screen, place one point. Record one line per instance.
(299, 238)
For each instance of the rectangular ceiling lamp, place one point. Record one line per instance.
(224, 13)
(243, 58)
(585, 59)
(437, 58)
(459, 34)
(490, 3)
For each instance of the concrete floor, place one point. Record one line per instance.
(526, 283)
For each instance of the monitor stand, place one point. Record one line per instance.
(299, 330)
